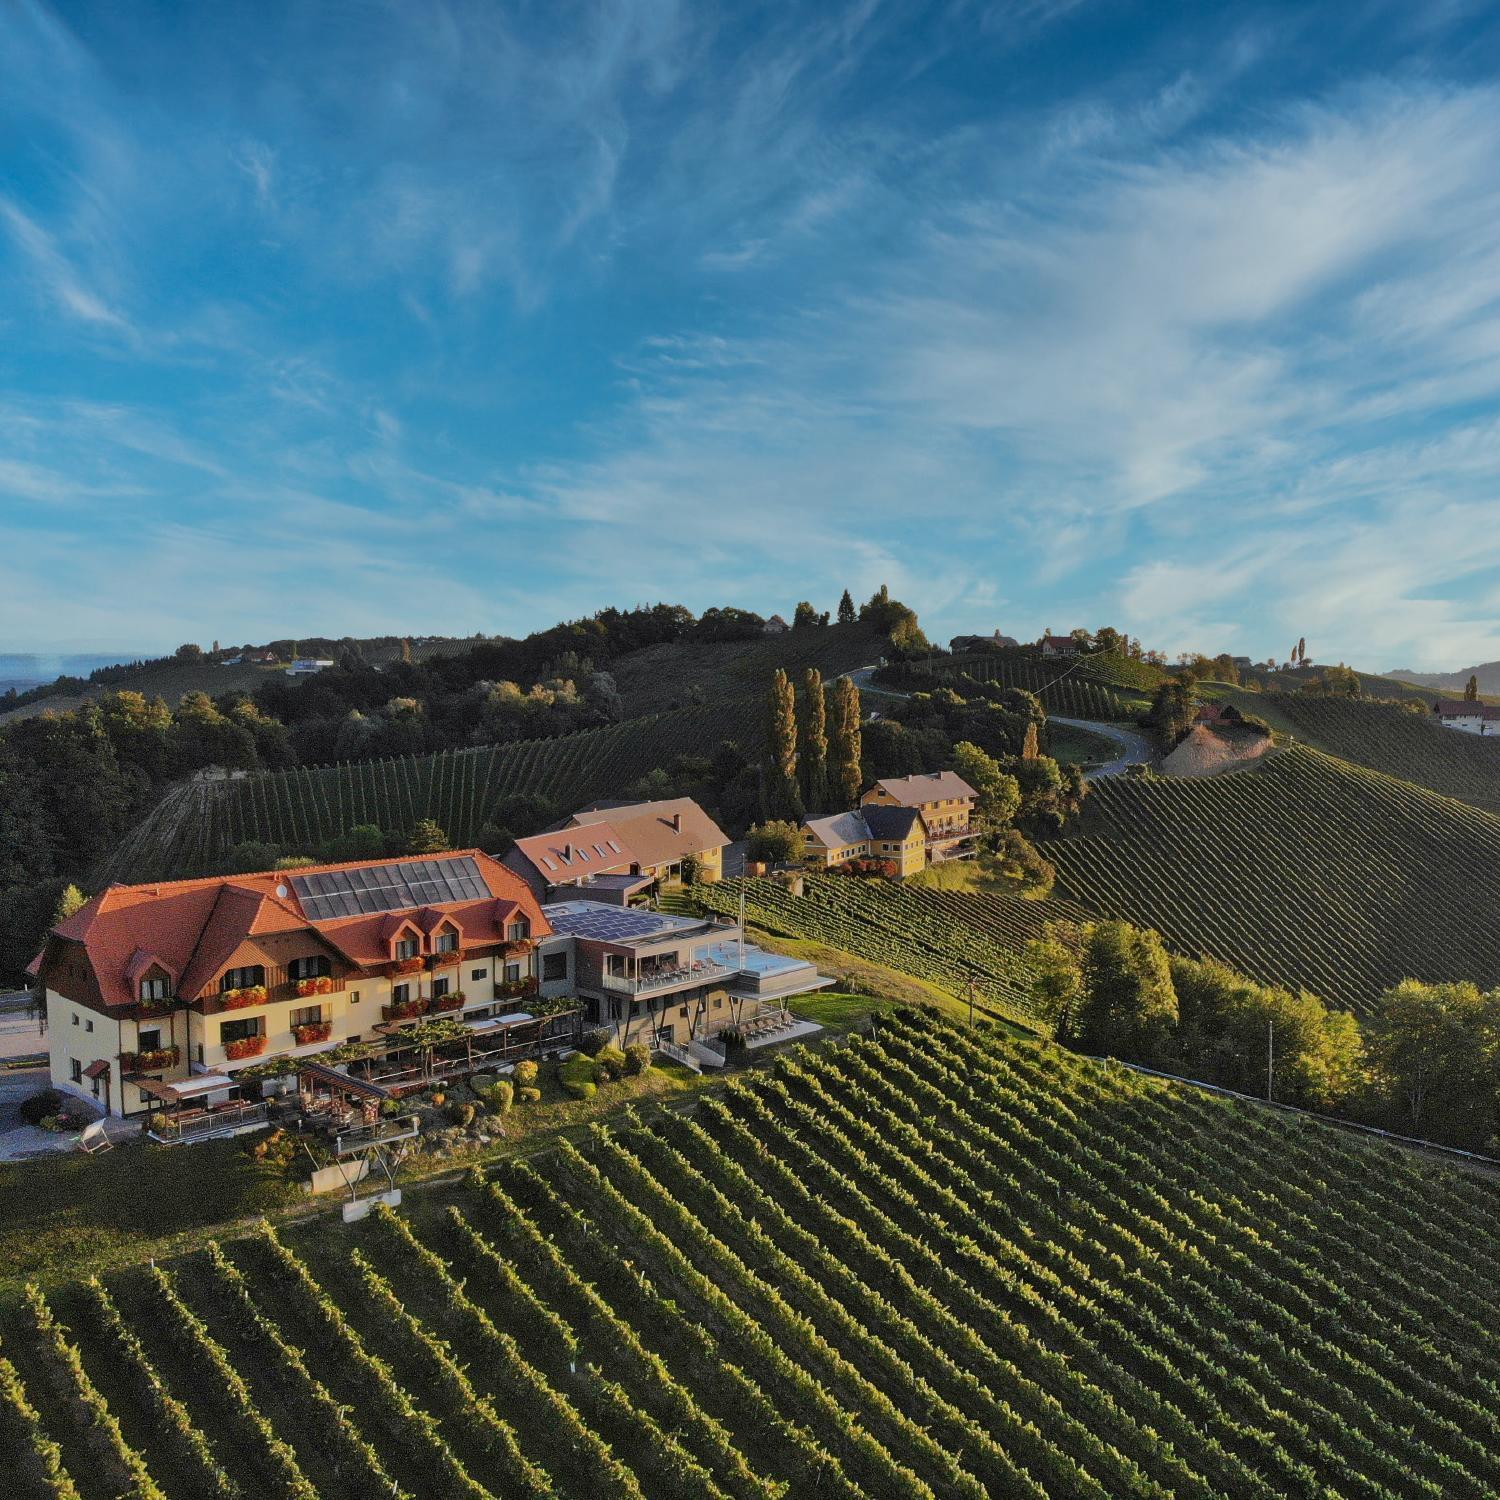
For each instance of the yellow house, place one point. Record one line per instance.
(945, 801)
(894, 836)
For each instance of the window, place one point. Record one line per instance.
(243, 979)
(88, 1025)
(237, 1031)
(77, 1070)
(439, 988)
(614, 965)
(400, 994)
(683, 1012)
(518, 930)
(315, 966)
(148, 1041)
(354, 997)
(447, 942)
(718, 1002)
(512, 973)
(75, 1017)
(406, 948)
(153, 989)
(479, 973)
(95, 1082)
(554, 966)
(307, 1015)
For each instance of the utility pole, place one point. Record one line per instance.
(1270, 1056)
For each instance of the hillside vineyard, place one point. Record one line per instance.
(1052, 1278)
(191, 830)
(1307, 872)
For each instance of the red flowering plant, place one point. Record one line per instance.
(313, 1031)
(247, 1046)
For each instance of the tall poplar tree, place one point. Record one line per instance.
(844, 751)
(782, 795)
(1471, 690)
(812, 755)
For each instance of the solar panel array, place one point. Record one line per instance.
(607, 924)
(373, 888)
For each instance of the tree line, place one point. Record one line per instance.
(1426, 1064)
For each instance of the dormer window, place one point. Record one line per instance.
(517, 931)
(243, 979)
(316, 966)
(154, 989)
(447, 942)
(406, 947)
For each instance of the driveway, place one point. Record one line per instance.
(1135, 749)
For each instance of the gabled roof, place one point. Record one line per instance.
(193, 927)
(569, 852)
(658, 832)
(926, 786)
(892, 823)
(839, 829)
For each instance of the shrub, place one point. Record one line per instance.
(461, 1113)
(525, 1074)
(611, 1064)
(38, 1107)
(529, 1096)
(498, 1095)
(438, 1099)
(637, 1058)
(591, 1042)
(579, 1076)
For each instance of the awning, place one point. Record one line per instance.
(96, 1069)
(187, 1088)
(497, 1023)
(359, 1088)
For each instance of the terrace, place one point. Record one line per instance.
(206, 1108)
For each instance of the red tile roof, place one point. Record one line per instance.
(568, 853)
(192, 927)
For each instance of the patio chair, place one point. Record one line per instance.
(94, 1139)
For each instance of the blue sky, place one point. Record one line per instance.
(361, 318)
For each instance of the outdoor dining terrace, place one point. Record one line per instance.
(653, 978)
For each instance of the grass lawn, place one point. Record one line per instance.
(1080, 747)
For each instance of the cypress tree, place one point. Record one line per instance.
(846, 609)
(782, 795)
(844, 771)
(812, 757)
(1471, 691)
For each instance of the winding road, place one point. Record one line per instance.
(1135, 750)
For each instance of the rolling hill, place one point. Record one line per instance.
(1452, 684)
(1074, 691)
(931, 1263)
(1386, 737)
(1307, 871)
(685, 672)
(195, 825)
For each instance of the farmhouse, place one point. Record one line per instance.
(894, 837)
(1058, 645)
(1468, 716)
(997, 642)
(945, 801)
(151, 985)
(621, 851)
(669, 981)
(904, 822)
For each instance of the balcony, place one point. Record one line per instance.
(951, 835)
(156, 1061)
(176, 1128)
(515, 989)
(683, 976)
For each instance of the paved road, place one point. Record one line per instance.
(1135, 749)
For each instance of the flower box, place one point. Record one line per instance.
(247, 1046)
(518, 945)
(404, 1010)
(314, 1031)
(406, 965)
(255, 994)
(149, 1062)
(507, 989)
(453, 1000)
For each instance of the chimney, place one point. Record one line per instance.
(676, 822)
(567, 854)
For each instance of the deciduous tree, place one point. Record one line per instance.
(783, 797)
(846, 776)
(812, 759)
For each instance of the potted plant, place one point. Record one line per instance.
(313, 1031)
(247, 1046)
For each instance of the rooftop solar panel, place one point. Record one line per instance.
(377, 888)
